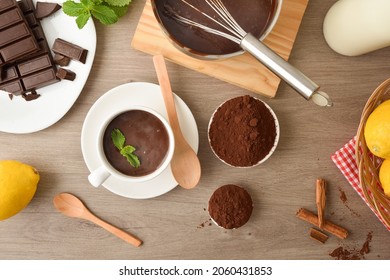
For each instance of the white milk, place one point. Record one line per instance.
(355, 27)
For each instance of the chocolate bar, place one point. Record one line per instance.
(16, 37)
(70, 50)
(35, 70)
(45, 9)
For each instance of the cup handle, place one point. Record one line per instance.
(98, 176)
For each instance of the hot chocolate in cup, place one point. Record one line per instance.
(136, 127)
(243, 132)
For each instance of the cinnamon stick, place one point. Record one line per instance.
(318, 235)
(320, 201)
(328, 226)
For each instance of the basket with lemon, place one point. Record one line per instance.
(373, 151)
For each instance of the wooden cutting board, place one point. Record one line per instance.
(243, 70)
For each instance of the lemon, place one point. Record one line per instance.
(377, 131)
(18, 183)
(384, 176)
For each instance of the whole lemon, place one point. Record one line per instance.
(18, 183)
(377, 131)
(384, 176)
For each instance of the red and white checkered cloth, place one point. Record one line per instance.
(345, 160)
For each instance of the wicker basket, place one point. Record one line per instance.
(369, 164)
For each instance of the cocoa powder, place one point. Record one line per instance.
(343, 198)
(242, 131)
(230, 206)
(341, 253)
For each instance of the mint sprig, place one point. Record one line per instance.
(127, 151)
(106, 11)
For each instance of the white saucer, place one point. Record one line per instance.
(141, 94)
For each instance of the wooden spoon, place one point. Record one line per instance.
(185, 164)
(71, 206)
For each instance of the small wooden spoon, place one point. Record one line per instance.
(185, 164)
(73, 207)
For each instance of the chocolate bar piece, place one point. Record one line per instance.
(35, 70)
(32, 96)
(70, 50)
(16, 37)
(61, 59)
(65, 74)
(45, 9)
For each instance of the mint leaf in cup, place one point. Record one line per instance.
(118, 138)
(127, 151)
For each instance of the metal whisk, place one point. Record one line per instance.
(291, 75)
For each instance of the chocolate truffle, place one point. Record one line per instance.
(243, 131)
(230, 206)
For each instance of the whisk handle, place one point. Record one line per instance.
(291, 75)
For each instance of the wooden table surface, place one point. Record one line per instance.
(170, 225)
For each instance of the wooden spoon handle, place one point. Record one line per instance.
(166, 90)
(114, 230)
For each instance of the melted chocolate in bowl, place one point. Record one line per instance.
(253, 16)
(146, 133)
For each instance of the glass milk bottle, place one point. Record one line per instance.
(355, 27)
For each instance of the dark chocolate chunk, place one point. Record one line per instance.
(31, 20)
(34, 65)
(41, 79)
(61, 60)
(38, 33)
(5, 4)
(15, 87)
(26, 6)
(70, 50)
(45, 9)
(18, 49)
(14, 33)
(65, 74)
(9, 74)
(31, 96)
(10, 17)
(16, 37)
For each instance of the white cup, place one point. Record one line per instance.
(105, 170)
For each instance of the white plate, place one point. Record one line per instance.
(138, 94)
(20, 116)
